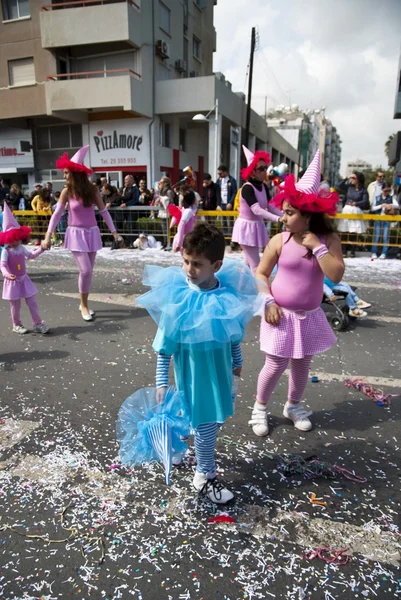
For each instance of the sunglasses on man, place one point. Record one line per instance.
(261, 169)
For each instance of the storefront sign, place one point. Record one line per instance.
(15, 150)
(119, 143)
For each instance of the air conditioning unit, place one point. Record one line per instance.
(162, 49)
(194, 73)
(181, 65)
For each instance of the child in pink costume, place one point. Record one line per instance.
(187, 220)
(17, 284)
(294, 327)
(249, 229)
(83, 235)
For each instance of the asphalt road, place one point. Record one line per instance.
(121, 534)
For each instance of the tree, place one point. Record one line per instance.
(388, 143)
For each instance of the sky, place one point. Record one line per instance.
(341, 54)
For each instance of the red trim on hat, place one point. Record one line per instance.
(16, 234)
(322, 202)
(259, 155)
(65, 163)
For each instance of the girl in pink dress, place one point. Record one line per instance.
(187, 220)
(17, 284)
(83, 235)
(249, 229)
(294, 327)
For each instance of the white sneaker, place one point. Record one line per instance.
(91, 312)
(41, 328)
(382, 257)
(298, 415)
(363, 304)
(374, 256)
(212, 489)
(19, 329)
(357, 312)
(260, 425)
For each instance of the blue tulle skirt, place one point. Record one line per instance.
(148, 431)
(188, 315)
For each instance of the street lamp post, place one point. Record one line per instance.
(200, 118)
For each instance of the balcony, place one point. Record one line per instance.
(115, 89)
(86, 22)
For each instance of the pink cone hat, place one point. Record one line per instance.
(248, 154)
(252, 159)
(12, 230)
(9, 221)
(75, 163)
(305, 194)
(310, 180)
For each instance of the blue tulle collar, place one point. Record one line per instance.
(196, 288)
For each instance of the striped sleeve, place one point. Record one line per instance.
(236, 354)
(162, 369)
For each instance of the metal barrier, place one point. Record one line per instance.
(130, 222)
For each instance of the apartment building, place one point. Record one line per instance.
(132, 78)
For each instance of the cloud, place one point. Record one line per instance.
(342, 54)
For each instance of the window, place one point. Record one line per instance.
(15, 9)
(58, 137)
(200, 3)
(164, 134)
(21, 72)
(183, 140)
(164, 17)
(196, 48)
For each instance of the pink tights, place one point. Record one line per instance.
(85, 262)
(15, 306)
(251, 257)
(274, 367)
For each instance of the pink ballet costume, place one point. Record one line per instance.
(303, 329)
(186, 224)
(83, 234)
(13, 263)
(249, 228)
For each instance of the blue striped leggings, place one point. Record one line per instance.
(205, 444)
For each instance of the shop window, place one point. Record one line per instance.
(183, 140)
(164, 134)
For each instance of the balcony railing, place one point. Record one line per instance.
(81, 3)
(93, 74)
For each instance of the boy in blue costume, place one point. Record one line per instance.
(201, 311)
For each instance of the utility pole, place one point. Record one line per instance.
(248, 108)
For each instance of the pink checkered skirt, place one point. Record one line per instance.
(298, 334)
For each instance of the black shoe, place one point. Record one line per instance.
(352, 254)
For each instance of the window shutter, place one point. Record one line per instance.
(21, 72)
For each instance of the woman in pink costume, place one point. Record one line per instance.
(249, 229)
(187, 220)
(83, 235)
(17, 284)
(294, 327)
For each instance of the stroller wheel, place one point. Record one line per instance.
(339, 323)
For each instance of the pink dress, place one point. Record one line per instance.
(185, 225)
(297, 288)
(83, 234)
(13, 261)
(249, 228)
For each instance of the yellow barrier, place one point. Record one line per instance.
(224, 220)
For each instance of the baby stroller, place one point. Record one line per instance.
(337, 312)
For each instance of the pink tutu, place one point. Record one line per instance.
(83, 239)
(250, 233)
(298, 334)
(22, 287)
